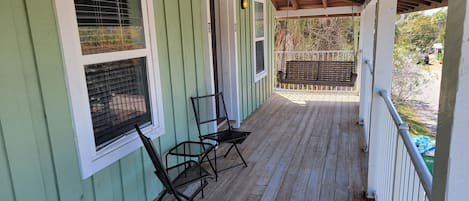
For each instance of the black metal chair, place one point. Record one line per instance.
(207, 113)
(186, 173)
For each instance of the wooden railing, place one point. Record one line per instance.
(281, 58)
(400, 171)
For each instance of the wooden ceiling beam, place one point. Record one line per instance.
(408, 3)
(286, 8)
(294, 4)
(274, 2)
(405, 6)
(436, 1)
(317, 16)
(422, 5)
(420, 2)
(324, 3)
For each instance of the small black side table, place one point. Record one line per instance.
(194, 149)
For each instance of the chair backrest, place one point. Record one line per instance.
(206, 110)
(336, 71)
(155, 159)
(302, 70)
(325, 71)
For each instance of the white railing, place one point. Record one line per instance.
(281, 58)
(400, 171)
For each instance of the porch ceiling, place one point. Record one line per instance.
(407, 6)
(310, 4)
(404, 6)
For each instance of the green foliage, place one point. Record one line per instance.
(415, 35)
(440, 57)
(419, 32)
(439, 19)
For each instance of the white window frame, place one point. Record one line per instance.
(261, 75)
(91, 161)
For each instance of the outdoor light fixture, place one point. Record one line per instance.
(244, 4)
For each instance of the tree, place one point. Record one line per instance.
(417, 32)
(333, 33)
(439, 19)
(409, 78)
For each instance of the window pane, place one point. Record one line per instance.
(259, 13)
(109, 25)
(259, 56)
(118, 96)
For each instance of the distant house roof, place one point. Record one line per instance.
(404, 6)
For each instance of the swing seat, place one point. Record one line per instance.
(328, 73)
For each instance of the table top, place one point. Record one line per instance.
(191, 149)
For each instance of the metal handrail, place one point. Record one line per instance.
(422, 171)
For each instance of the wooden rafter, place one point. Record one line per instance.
(404, 6)
(324, 3)
(274, 2)
(294, 4)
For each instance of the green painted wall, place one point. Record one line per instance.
(253, 94)
(38, 158)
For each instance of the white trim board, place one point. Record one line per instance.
(261, 75)
(318, 11)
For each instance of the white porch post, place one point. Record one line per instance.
(382, 74)
(366, 45)
(451, 176)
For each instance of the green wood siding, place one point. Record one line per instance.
(253, 94)
(38, 158)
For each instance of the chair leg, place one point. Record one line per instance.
(229, 150)
(161, 196)
(240, 155)
(201, 184)
(215, 161)
(214, 169)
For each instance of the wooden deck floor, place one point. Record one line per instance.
(303, 147)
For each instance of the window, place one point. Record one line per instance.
(118, 98)
(259, 18)
(112, 74)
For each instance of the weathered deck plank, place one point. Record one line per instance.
(302, 147)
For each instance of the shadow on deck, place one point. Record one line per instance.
(303, 146)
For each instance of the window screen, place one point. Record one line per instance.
(259, 19)
(109, 25)
(259, 28)
(118, 96)
(259, 56)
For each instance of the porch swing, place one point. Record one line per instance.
(318, 72)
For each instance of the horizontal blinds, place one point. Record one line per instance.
(109, 25)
